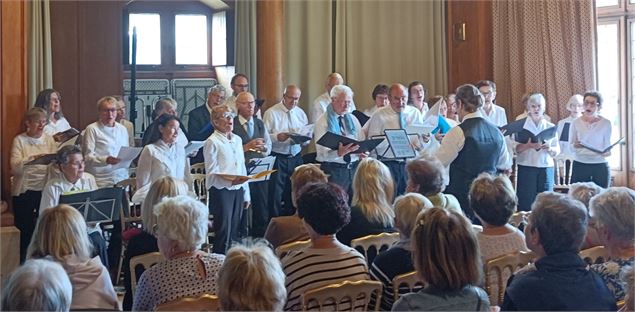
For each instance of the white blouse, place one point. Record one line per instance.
(53, 127)
(61, 186)
(225, 156)
(531, 157)
(566, 149)
(597, 134)
(497, 115)
(100, 142)
(23, 150)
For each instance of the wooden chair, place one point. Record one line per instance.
(497, 267)
(562, 174)
(146, 261)
(198, 168)
(283, 250)
(205, 302)
(379, 241)
(520, 219)
(343, 296)
(408, 281)
(200, 188)
(594, 255)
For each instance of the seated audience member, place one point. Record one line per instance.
(49, 100)
(37, 285)
(199, 123)
(146, 241)
(121, 114)
(181, 229)
(425, 176)
(164, 156)
(561, 281)
(584, 191)
(628, 278)
(380, 99)
(324, 209)
(494, 201)
(60, 235)
(446, 257)
(397, 259)
(614, 214)
(164, 106)
(251, 279)
(29, 180)
(371, 211)
(286, 229)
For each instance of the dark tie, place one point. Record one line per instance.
(342, 127)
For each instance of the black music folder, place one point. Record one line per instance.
(332, 141)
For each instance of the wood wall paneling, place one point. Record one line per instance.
(270, 18)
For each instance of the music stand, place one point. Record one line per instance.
(398, 144)
(102, 205)
(258, 165)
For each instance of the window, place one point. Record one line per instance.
(190, 36)
(148, 28)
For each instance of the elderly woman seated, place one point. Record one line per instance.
(613, 213)
(38, 285)
(398, 259)
(584, 191)
(561, 280)
(251, 279)
(324, 209)
(60, 235)
(425, 176)
(181, 228)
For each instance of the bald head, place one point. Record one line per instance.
(245, 104)
(398, 96)
(291, 96)
(332, 80)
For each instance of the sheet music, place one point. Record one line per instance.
(127, 154)
(258, 165)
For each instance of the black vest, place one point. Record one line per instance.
(259, 133)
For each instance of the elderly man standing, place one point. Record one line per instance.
(397, 115)
(256, 144)
(340, 165)
(239, 83)
(199, 124)
(321, 102)
(102, 141)
(281, 120)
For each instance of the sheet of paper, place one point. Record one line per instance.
(193, 146)
(127, 155)
(259, 165)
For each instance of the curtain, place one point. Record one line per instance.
(245, 41)
(545, 46)
(40, 64)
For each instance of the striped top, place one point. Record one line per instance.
(310, 268)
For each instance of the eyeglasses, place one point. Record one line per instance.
(76, 163)
(227, 115)
(242, 85)
(111, 110)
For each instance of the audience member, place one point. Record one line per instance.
(29, 179)
(397, 259)
(417, 93)
(628, 278)
(181, 228)
(60, 235)
(286, 229)
(324, 209)
(371, 209)
(37, 285)
(446, 257)
(380, 99)
(199, 123)
(121, 115)
(251, 279)
(492, 112)
(584, 191)
(49, 100)
(425, 176)
(561, 280)
(614, 214)
(321, 102)
(575, 108)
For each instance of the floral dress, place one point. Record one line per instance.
(610, 273)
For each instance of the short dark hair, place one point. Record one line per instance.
(416, 83)
(63, 153)
(427, 172)
(493, 198)
(324, 206)
(380, 89)
(560, 220)
(233, 81)
(486, 83)
(596, 95)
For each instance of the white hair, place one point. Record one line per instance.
(574, 99)
(38, 285)
(217, 88)
(339, 89)
(184, 220)
(615, 208)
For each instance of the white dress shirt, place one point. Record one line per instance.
(496, 116)
(53, 127)
(158, 160)
(100, 142)
(325, 154)
(531, 157)
(424, 108)
(319, 106)
(130, 127)
(61, 186)
(266, 137)
(24, 150)
(597, 135)
(225, 156)
(566, 149)
(278, 119)
(387, 118)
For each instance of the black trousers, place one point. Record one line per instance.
(600, 173)
(26, 208)
(341, 174)
(227, 208)
(399, 175)
(259, 210)
(280, 184)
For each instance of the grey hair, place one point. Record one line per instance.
(66, 151)
(615, 208)
(217, 88)
(184, 220)
(38, 285)
(339, 89)
(584, 191)
(576, 98)
(537, 98)
(407, 208)
(561, 222)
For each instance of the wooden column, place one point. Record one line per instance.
(270, 19)
(13, 84)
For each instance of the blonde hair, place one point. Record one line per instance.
(445, 250)
(303, 175)
(34, 113)
(60, 231)
(584, 191)
(407, 208)
(106, 99)
(162, 187)
(251, 279)
(373, 190)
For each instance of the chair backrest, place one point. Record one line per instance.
(594, 255)
(406, 282)
(520, 219)
(497, 268)
(131, 213)
(205, 302)
(343, 296)
(379, 241)
(146, 261)
(562, 174)
(200, 188)
(283, 250)
(198, 168)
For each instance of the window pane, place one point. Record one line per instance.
(219, 39)
(148, 38)
(609, 82)
(190, 33)
(606, 3)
